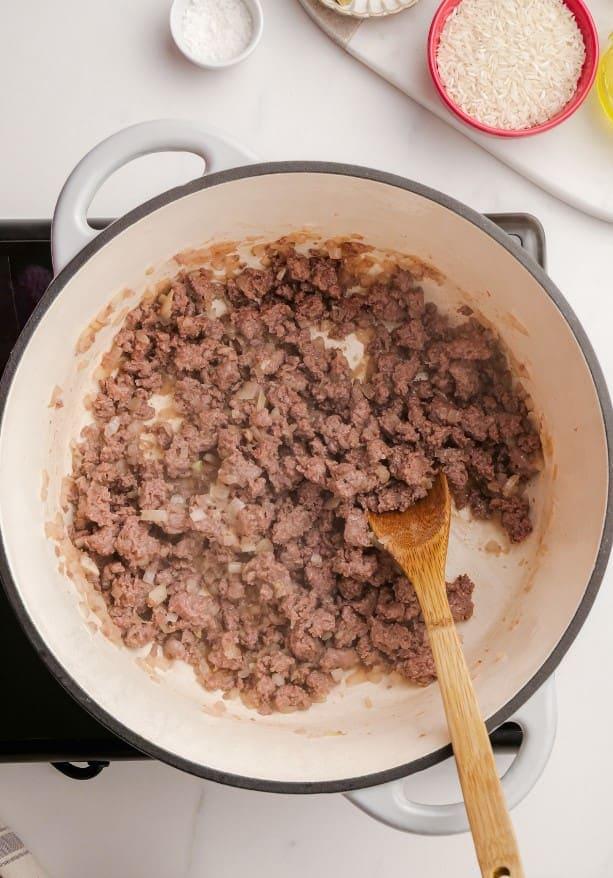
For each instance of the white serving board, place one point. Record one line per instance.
(574, 161)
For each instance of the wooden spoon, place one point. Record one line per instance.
(418, 539)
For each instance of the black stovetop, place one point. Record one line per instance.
(40, 721)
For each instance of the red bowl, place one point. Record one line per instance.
(586, 25)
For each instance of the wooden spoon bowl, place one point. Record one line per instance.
(417, 539)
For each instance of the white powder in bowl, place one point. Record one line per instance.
(511, 64)
(217, 30)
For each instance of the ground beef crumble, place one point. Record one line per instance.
(231, 527)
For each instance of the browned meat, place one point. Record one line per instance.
(135, 544)
(357, 529)
(235, 535)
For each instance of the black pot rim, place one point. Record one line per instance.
(486, 226)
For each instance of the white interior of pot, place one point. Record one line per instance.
(524, 598)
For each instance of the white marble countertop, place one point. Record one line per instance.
(74, 72)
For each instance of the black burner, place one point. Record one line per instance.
(41, 722)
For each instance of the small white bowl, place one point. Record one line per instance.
(177, 11)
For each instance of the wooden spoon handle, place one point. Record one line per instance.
(487, 811)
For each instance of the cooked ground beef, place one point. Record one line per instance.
(231, 527)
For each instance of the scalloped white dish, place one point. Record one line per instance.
(369, 8)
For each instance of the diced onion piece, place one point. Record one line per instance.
(89, 565)
(231, 650)
(192, 584)
(154, 515)
(277, 679)
(197, 514)
(160, 289)
(234, 506)
(157, 595)
(229, 539)
(249, 390)
(149, 574)
(147, 440)
(383, 473)
(218, 308)
(510, 486)
(177, 500)
(316, 559)
(197, 466)
(261, 401)
(112, 359)
(54, 531)
(112, 427)
(263, 546)
(166, 309)
(234, 567)
(218, 491)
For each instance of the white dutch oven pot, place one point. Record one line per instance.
(530, 602)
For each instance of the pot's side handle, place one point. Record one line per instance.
(71, 231)
(388, 803)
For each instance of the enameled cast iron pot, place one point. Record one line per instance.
(530, 602)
